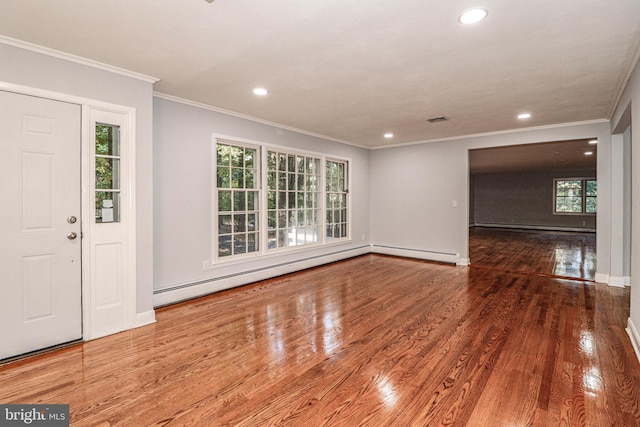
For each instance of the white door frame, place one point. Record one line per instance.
(94, 325)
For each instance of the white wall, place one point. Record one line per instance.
(182, 201)
(413, 187)
(28, 68)
(631, 98)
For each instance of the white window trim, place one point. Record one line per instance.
(347, 191)
(264, 252)
(214, 198)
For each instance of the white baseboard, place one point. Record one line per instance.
(416, 253)
(465, 262)
(634, 337)
(187, 291)
(619, 281)
(146, 318)
(602, 278)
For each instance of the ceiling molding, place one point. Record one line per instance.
(501, 132)
(251, 118)
(74, 58)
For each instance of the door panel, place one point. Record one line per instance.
(40, 286)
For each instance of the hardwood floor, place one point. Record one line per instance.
(375, 340)
(561, 254)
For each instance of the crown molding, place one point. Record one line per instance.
(500, 132)
(74, 58)
(253, 119)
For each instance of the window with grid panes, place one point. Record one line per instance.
(575, 195)
(293, 196)
(591, 196)
(237, 173)
(336, 199)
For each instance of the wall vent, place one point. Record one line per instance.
(437, 119)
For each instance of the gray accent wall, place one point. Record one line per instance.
(183, 186)
(524, 200)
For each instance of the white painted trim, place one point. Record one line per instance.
(146, 318)
(60, 96)
(417, 253)
(74, 58)
(251, 118)
(120, 316)
(500, 132)
(602, 278)
(464, 262)
(177, 293)
(632, 331)
(619, 281)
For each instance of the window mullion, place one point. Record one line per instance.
(264, 209)
(323, 198)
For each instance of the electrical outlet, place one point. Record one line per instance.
(206, 265)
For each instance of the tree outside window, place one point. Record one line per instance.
(575, 195)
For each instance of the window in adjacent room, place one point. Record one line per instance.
(575, 196)
(237, 174)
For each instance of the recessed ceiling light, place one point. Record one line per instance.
(473, 15)
(524, 116)
(588, 153)
(593, 141)
(388, 135)
(260, 91)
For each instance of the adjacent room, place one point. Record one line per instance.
(534, 208)
(243, 213)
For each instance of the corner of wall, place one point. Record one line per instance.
(634, 337)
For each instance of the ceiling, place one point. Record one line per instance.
(354, 70)
(548, 156)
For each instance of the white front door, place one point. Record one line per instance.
(40, 233)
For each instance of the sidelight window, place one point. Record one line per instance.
(108, 160)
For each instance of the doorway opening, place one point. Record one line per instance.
(533, 208)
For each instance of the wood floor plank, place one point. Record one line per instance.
(552, 253)
(375, 341)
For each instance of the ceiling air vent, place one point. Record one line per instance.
(437, 119)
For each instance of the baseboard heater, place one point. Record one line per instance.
(534, 227)
(416, 253)
(186, 291)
